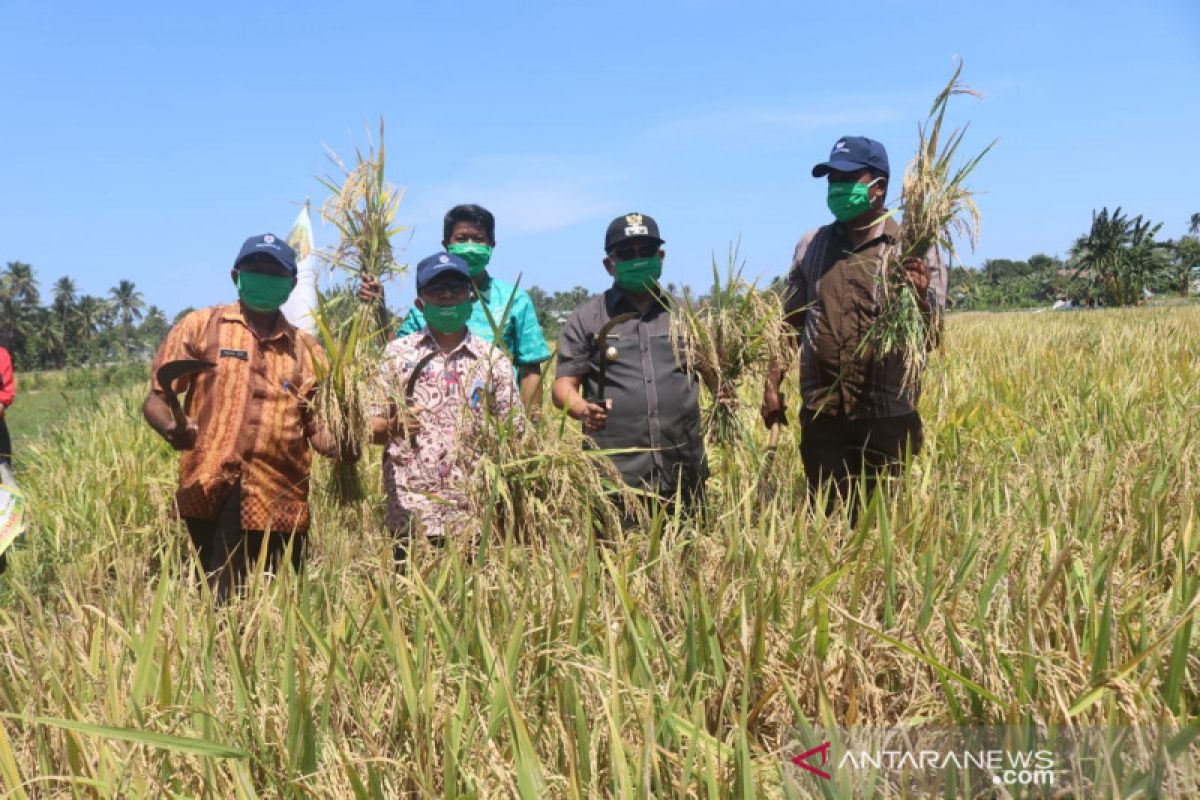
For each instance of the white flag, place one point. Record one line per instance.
(12, 513)
(302, 303)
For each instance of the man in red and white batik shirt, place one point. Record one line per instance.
(457, 380)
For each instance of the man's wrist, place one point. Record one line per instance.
(925, 300)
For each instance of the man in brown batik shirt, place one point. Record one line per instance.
(244, 473)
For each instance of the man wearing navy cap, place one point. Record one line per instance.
(244, 472)
(469, 231)
(857, 414)
(435, 388)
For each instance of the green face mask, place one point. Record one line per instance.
(848, 200)
(447, 319)
(638, 274)
(263, 293)
(475, 254)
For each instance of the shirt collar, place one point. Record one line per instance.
(885, 231)
(617, 298)
(282, 329)
(471, 343)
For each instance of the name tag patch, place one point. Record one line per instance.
(242, 354)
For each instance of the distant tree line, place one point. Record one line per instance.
(73, 329)
(1115, 263)
(553, 310)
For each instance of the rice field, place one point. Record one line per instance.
(1038, 566)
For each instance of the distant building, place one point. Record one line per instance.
(1083, 274)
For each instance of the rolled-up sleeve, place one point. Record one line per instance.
(183, 341)
(573, 349)
(530, 342)
(8, 384)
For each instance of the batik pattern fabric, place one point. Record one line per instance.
(454, 392)
(254, 415)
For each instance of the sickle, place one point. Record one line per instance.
(410, 388)
(172, 371)
(602, 347)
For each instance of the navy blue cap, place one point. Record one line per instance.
(439, 264)
(852, 153)
(268, 245)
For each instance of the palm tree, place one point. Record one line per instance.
(1194, 227)
(128, 304)
(21, 283)
(153, 328)
(65, 296)
(18, 298)
(49, 336)
(91, 312)
(1120, 254)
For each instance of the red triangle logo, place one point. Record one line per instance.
(801, 760)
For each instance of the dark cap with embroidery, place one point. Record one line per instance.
(630, 226)
(852, 153)
(439, 264)
(270, 245)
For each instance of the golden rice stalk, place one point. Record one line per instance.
(339, 401)
(937, 209)
(736, 331)
(362, 207)
(531, 476)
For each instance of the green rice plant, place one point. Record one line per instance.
(362, 207)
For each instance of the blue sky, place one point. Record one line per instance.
(145, 141)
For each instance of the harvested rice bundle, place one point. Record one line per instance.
(363, 209)
(736, 331)
(937, 209)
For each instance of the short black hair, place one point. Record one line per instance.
(476, 215)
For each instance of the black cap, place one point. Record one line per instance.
(268, 244)
(852, 153)
(631, 226)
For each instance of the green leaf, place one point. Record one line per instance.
(162, 741)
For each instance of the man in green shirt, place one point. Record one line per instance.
(469, 232)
